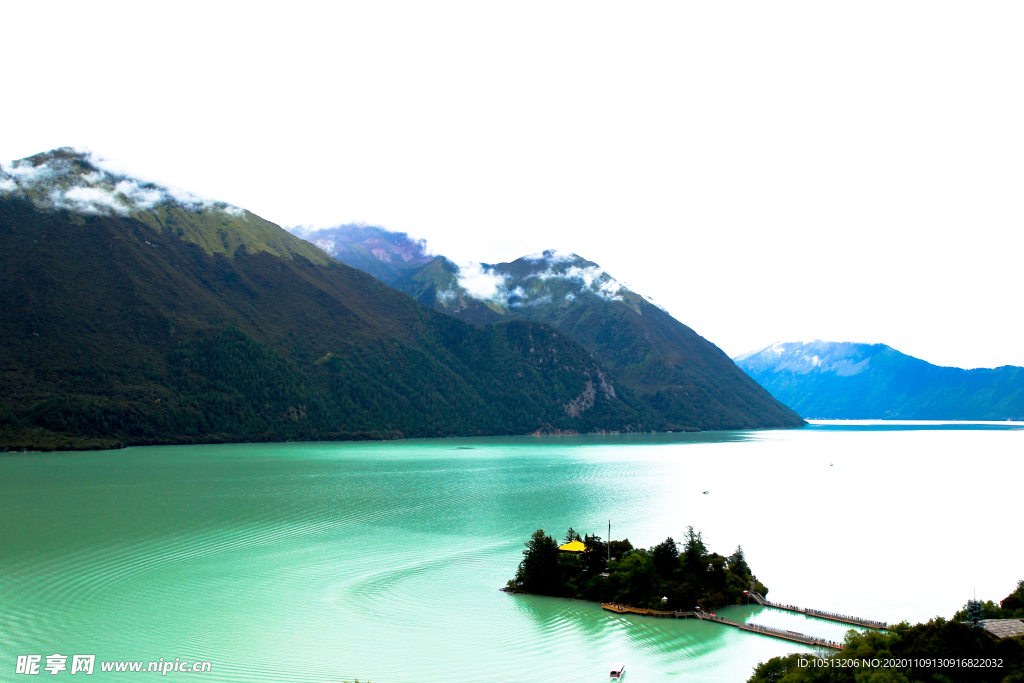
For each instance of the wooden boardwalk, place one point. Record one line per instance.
(703, 616)
(819, 614)
(642, 611)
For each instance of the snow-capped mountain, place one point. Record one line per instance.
(845, 380)
(842, 358)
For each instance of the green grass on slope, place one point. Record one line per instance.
(220, 232)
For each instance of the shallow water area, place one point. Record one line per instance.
(382, 561)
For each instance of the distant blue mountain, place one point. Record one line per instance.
(843, 380)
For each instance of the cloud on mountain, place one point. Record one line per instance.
(591, 277)
(76, 180)
(553, 256)
(483, 282)
(488, 283)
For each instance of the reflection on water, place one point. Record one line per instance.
(296, 562)
(910, 425)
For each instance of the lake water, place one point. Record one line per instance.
(382, 561)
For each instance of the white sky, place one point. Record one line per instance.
(765, 171)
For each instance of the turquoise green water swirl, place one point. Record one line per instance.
(382, 561)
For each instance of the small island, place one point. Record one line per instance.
(669, 576)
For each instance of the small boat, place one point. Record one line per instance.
(707, 492)
(618, 671)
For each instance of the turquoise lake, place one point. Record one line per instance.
(383, 560)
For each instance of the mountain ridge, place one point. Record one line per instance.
(849, 380)
(688, 380)
(135, 317)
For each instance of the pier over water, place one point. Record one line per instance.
(793, 636)
(757, 628)
(819, 614)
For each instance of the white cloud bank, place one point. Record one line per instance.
(483, 282)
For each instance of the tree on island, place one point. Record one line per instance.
(694, 550)
(538, 571)
(665, 556)
(634, 580)
(595, 557)
(662, 577)
(737, 561)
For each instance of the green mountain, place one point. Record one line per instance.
(136, 314)
(848, 381)
(688, 381)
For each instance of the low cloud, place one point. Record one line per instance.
(87, 200)
(553, 256)
(486, 283)
(592, 278)
(483, 282)
(327, 246)
(25, 172)
(301, 230)
(76, 180)
(146, 197)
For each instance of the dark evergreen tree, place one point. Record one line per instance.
(665, 556)
(694, 551)
(538, 571)
(738, 563)
(595, 557)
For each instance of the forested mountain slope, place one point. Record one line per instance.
(135, 315)
(687, 380)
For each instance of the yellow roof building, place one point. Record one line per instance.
(573, 547)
